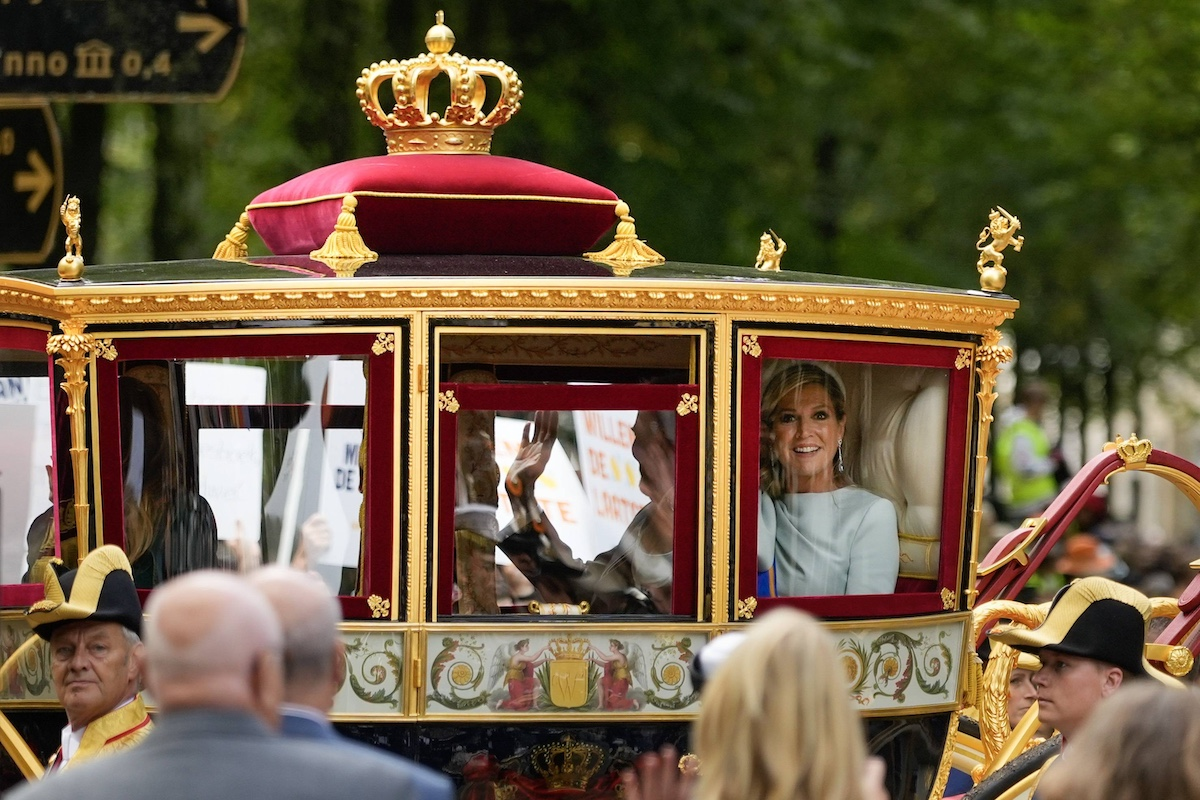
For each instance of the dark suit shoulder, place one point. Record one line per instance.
(265, 767)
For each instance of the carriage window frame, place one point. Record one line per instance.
(34, 340)
(957, 358)
(382, 418)
(525, 397)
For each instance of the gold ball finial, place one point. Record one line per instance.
(439, 39)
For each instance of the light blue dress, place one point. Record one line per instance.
(829, 543)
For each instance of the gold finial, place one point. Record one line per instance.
(770, 251)
(627, 252)
(439, 39)
(1002, 227)
(345, 242)
(70, 266)
(233, 246)
(464, 127)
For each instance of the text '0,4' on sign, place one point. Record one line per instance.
(30, 182)
(101, 50)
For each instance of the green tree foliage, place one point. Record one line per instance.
(874, 137)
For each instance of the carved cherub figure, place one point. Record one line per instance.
(72, 220)
(770, 251)
(1002, 227)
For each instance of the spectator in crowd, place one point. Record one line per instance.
(1141, 743)
(776, 722)
(1025, 463)
(314, 666)
(213, 653)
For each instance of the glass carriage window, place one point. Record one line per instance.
(233, 461)
(27, 508)
(574, 495)
(852, 473)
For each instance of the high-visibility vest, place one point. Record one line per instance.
(1024, 490)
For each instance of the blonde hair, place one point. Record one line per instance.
(776, 721)
(795, 375)
(1141, 742)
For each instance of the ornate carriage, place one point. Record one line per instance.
(353, 402)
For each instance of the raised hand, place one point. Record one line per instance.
(533, 454)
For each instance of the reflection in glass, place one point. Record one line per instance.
(586, 516)
(818, 532)
(235, 462)
(26, 496)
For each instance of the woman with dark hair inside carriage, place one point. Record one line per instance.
(818, 533)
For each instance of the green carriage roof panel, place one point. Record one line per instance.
(416, 268)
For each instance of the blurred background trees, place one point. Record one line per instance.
(874, 137)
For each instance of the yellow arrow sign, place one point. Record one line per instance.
(214, 30)
(39, 180)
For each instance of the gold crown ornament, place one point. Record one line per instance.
(463, 127)
(567, 764)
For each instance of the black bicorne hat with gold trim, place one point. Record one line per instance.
(101, 590)
(1094, 618)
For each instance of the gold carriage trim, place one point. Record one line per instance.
(627, 252)
(746, 608)
(537, 198)
(549, 609)
(380, 608)
(233, 247)
(345, 242)
(567, 764)
(446, 401)
(1133, 451)
(688, 404)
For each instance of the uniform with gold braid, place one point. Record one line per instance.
(100, 590)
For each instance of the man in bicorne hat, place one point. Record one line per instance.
(92, 620)
(1091, 643)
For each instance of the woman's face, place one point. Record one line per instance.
(1021, 695)
(806, 433)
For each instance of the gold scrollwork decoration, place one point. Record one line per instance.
(380, 608)
(746, 608)
(688, 404)
(1133, 451)
(384, 343)
(750, 346)
(964, 359)
(949, 598)
(106, 350)
(446, 401)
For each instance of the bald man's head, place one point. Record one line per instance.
(312, 650)
(213, 641)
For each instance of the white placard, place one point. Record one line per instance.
(24, 456)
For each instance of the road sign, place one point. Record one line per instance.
(30, 182)
(104, 50)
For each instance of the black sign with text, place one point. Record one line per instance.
(30, 182)
(137, 50)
